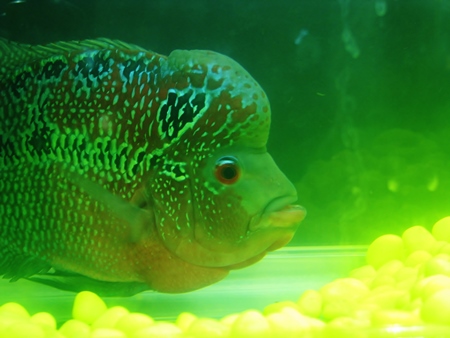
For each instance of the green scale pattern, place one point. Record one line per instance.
(81, 116)
(74, 109)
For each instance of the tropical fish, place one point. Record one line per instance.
(122, 170)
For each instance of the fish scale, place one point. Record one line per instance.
(108, 155)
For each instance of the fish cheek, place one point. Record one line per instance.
(199, 226)
(222, 222)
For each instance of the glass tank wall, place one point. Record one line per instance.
(359, 90)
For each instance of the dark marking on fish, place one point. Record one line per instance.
(179, 111)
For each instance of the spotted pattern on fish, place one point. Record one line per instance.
(128, 120)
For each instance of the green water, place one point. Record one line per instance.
(359, 92)
(360, 97)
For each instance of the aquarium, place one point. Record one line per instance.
(359, 117)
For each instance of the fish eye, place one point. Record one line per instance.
(227, 170)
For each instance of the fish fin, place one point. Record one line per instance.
(68, 281)
(13, 54)
(14, 266)
(131, 213)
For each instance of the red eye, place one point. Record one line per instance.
(227, 170)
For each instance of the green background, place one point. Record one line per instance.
(360, 104)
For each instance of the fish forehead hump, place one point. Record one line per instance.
(234, 106)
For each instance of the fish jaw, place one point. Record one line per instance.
(287, 218)
(246, 252)
(266, 232)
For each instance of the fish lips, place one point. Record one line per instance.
(280, 212)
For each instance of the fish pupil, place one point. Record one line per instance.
(227, 170)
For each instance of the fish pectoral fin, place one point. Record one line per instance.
(15, 266)
(131, 213)
(76, 283)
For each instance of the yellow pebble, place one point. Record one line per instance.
(390, 268)
(380, 280)
(437, 266)
(278, 306)
(229, 319)
(107, 333)
(406, 273)
(55, 334)
(316, 327)
(344, 288)
(23, 329)
(340, 297)
(395, 317)
(310, 303)
(133, 322)
(415, 305)
(110, 317)
(74, 328)
(296, 315)
(406, 278)
(283, 325)
(44, 320)
(364, 310)
(7, 319)
(417, 258)
(14, 309)
(208, 328)
(443, 256)
(346, 327)
(338, 308)
(87, 307)
(436, 309)
(250, 324)
(417, 290)
(388, 297)
(301, 321)
(441, 229)
(439, 246)
(433, 284)
(384, 249)
(158, 330)
(418, 238)
(185, 319)
(365, 274)
(445, 248)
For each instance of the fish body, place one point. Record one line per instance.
(133, 170)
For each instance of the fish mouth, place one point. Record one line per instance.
(280, 212)
(279, 203)
(289, 215)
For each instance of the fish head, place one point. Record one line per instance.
(220, 200)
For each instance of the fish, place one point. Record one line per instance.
(123, 170)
